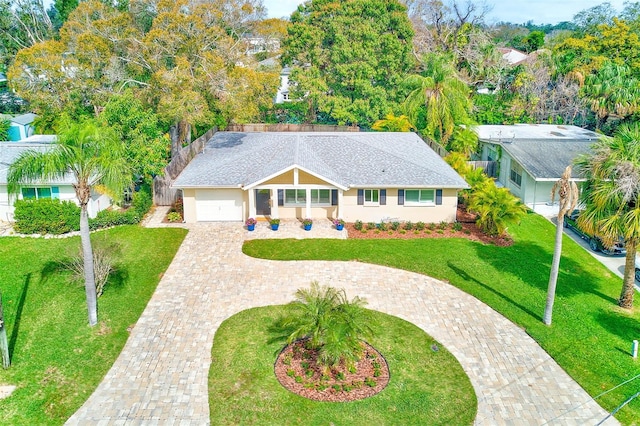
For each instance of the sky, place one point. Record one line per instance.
(515, 11)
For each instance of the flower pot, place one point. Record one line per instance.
(251, 227)
(340, 227)
(307, 227)
(274, 226)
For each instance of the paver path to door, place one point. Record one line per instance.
(161, 375)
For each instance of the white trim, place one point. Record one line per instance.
(252, 203)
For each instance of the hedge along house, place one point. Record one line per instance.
(61, 189)
(530, 158)
(371, 177)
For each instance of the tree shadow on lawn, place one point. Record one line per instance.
(620, 323)
(118, 275)
(529, 264)
(18, 317)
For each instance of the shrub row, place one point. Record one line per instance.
(46, 216)
(59, 217)
(407, 226)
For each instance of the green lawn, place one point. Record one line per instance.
(590, 337)
(57, 359)
(426, 387)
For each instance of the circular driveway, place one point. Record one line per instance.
(161, 375)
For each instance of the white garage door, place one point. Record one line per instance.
(218, 205)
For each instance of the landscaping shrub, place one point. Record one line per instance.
(140, 205)
(46, 216)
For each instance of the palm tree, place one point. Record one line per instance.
(441, 95)
(331, 323)
(612, 91)
(610, 195)
(496, 207)
(568, 194)
(391, 123)
(93, 155)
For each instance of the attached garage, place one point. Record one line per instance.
(222, 205)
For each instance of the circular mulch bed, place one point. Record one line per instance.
(297, 369)
(465, 222)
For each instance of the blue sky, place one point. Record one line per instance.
(516, 11)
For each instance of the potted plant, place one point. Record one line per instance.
(307, 224)
(339, 223)
(275, 223)
(251, 223)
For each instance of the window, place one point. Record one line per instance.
(295, 196)
(515, 175)
(420, 196)
(321, 196)
(371, 197)
(37, 193)
(299, 197)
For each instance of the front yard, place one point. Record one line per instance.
(590, 337)
(57, 359)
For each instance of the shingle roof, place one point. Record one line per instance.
(10, 151)
(546, 159)
(348, 159)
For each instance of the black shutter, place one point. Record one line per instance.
(281, 197)
(360, 197)
(401, 197)
(438, 197)
(334, 197)
(383, 197)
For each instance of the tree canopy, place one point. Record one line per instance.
(349, 57)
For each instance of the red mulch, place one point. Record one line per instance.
(467, 220)
(317, 388)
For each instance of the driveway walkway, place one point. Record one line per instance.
(161, 375)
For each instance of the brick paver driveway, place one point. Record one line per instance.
(161, 375)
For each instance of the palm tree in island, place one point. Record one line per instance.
(568, 199)
(93, 155)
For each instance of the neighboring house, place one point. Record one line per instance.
(530, 158)
(513, 56)
(257, 44)
(282, 95)
(61, 189)
(21, 126)
(354, 176)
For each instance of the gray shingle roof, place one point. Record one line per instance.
(349, 159)
(546, 159)
(10, 151)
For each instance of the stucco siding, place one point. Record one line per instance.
(351, 211)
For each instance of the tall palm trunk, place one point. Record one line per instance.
(553, 278)
(628, 285)
(89, 276)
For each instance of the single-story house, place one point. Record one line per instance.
(370, 177)
(530, 158)
(61, 189)
(21, 126)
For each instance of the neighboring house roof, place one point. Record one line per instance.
(10, 151)
(23, 119)
(543, 150)
(346, 159)
(3, 78)
(513, 56)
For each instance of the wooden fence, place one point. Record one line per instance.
(490, 167)
(163, 194)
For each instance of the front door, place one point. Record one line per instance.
(263, 202)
